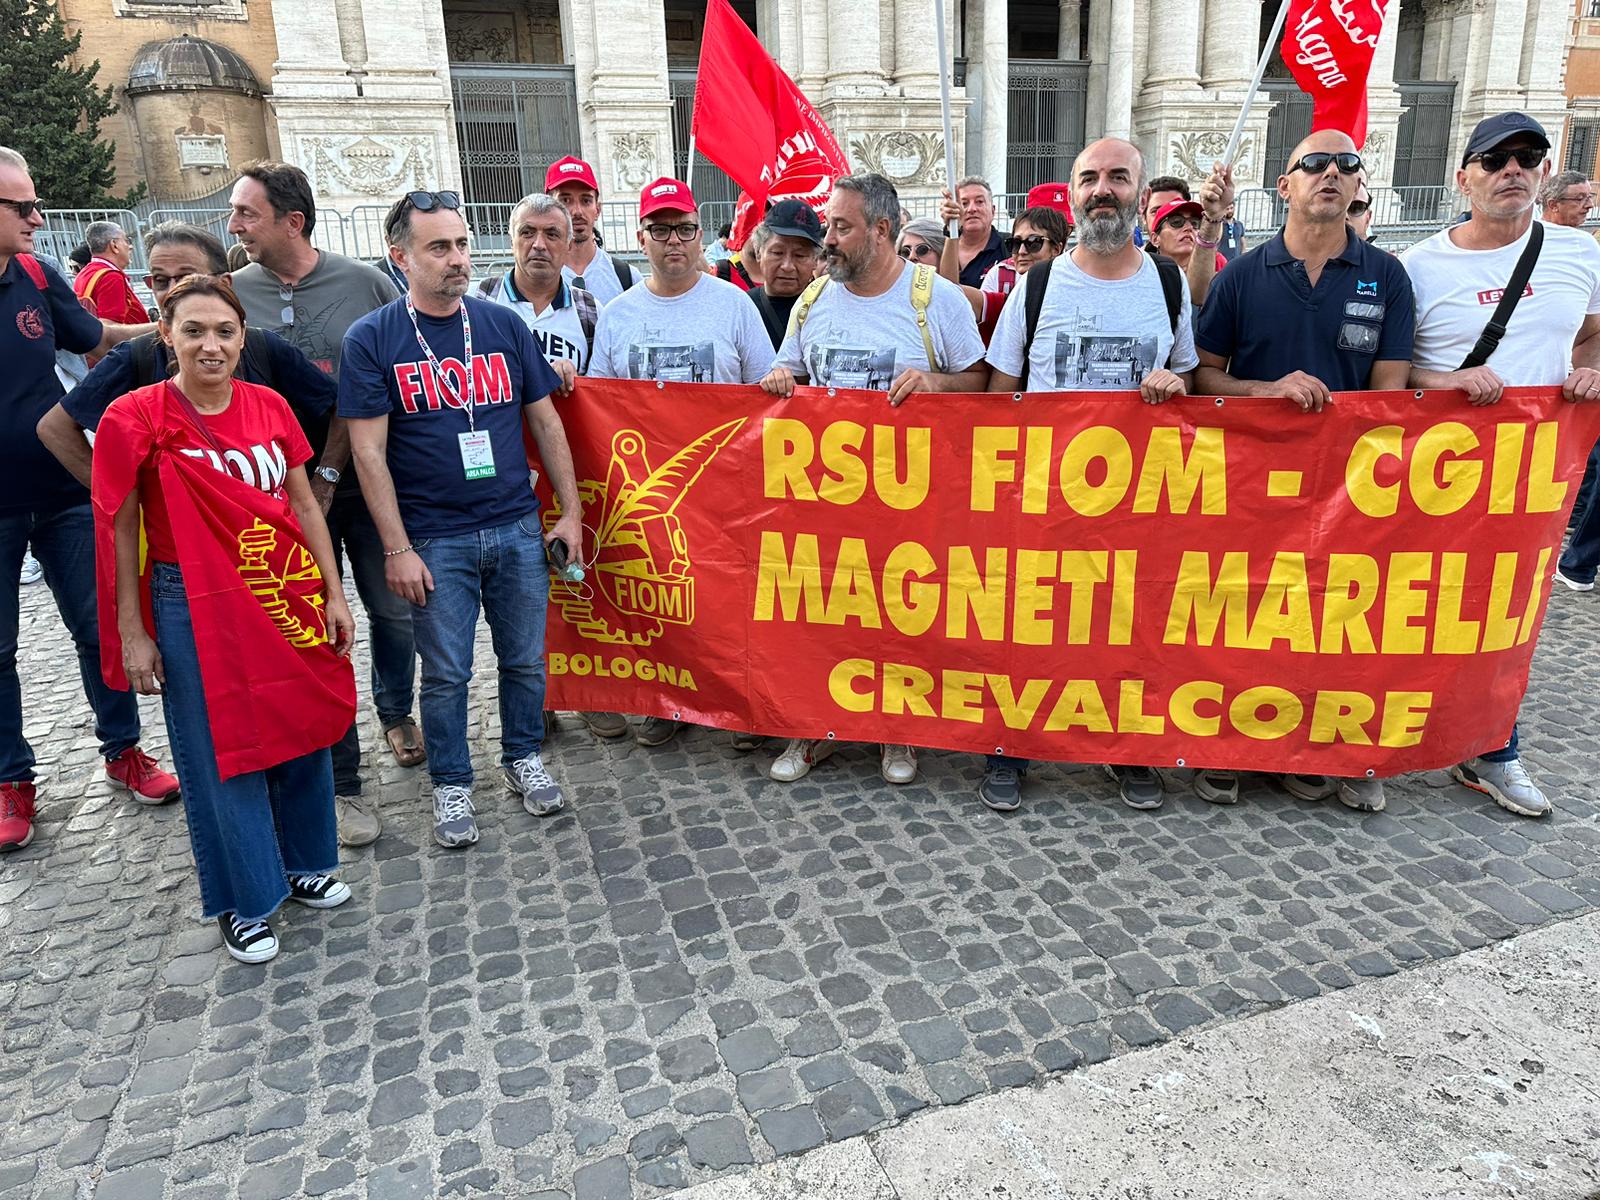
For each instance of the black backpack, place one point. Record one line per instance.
(1038, 278)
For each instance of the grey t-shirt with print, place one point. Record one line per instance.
(1094, 334)
(710, 334)
(867, 341)
(338, 292)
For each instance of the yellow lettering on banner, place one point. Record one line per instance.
(1186, 717)
(989, 469)
(1205, 470)
(1197, 600)
(1403, 600)
(1360, 471)
(969, 596)
(1284, 613)
(1405, 716)
(792, 584)
(558, 663)
(1123, 576)
(1131, 716)
(841, 684)
(844, 479)
(1499, 626)
(1460, 479)
(786, 450)
(1036, 468)
(1352, 588)
(1079, 705)
(906, 690)
(963, 696)
(1032, 599)
(1105, 444)
(1452, 634)
(1017, 712)
(1082, 571)
(1340, 717)
(645, 671)
(913, 608)
(1509, 439)
(1541, 582)
(1545, 492)
(909, 492)
(1245, 712)
(852, 592)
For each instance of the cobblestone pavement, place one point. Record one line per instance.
(695, 968)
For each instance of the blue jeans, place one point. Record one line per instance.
(1582, 555)
(251, 832)
(504, 569)
(1586, 488)
(394, 652)
(63, 542)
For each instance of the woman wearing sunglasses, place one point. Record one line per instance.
(1175, 232)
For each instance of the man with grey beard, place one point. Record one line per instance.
(1109, 317)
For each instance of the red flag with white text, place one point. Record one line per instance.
(1328, 47)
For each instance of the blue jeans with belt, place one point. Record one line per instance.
(503, 569)
(251, 832)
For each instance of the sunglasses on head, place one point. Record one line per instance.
(1358, 208)
(1032, 244)
(23, 208)
(1494, 161)
(917, 251)
(428, 201)
(1315, 163)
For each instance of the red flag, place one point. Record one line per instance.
(751, 120)
(274, 687)
(1328, 46)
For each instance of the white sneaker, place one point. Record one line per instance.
(1560, 578)
(540, 794)
(899, 763)
(798, 757)
(1507, 782)
(32, 572)
(453, 821)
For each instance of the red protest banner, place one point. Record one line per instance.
(1328, 47)
(1078, 577)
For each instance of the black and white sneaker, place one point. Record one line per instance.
(248, 941)
(318, 891)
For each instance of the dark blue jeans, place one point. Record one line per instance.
(251, 832)
(394, 652)
(504, 570)
(63, 542)
(1582, 555)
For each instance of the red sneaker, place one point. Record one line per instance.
(16, 814)
(136, 771)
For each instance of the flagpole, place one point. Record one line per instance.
(1267, 52)
(688, 172)
(944, 108)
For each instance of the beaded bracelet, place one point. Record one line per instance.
(397, 553)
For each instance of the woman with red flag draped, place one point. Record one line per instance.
(237, 620)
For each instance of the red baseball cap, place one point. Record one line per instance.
(1172, 206)
(1051, 195)
(666, 193)
(569, 170)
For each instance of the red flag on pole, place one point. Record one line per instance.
(753, 122)
(1328, 47)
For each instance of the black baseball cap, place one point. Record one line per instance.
(795, 218)
(1491, 131)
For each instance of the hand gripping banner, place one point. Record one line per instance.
(1076, 577)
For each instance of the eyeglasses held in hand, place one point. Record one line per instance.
(1315, 163)
(1032, 244)
(23, 208)
(920, 250)
(665, 233)
(1358, 208)
(1494, 161)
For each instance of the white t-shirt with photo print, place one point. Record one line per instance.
(710, 334)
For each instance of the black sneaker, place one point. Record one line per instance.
(318, 891)
(1140, 786)
(1001, 788)
(248, 941)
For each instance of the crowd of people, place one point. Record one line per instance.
(396, 400)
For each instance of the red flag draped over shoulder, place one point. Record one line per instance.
(274, 687)
(1328, 47)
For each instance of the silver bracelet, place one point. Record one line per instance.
(397, 553)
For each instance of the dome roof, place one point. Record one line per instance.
(190, 62)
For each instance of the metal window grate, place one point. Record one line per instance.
(710, 182)
(511, 124)
(1046, 102)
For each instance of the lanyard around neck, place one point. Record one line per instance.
(452, 393)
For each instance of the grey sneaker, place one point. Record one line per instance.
(1310, 787)
(357, 819)
(657, 731)
(1001, 788)
(605, 724)
(1507, 782)
(453, 822)
(1363, 795)
(540, 794)
(1218, 787)
(1140, 786)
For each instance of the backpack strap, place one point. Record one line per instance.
(143, 349)
(588, 314)
(1172, 283)
(624, 276)
(1489, 339)
(256, 358)
(1032, 305)
(922, 277)
(34, 270)
(88, 288)
(802, 306)
(769, 315)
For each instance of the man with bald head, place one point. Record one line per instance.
(1315, 310)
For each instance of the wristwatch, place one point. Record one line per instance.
(331, 474)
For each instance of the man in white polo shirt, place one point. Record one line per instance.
(571, 181)
(561, 314)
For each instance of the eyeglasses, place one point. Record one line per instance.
(286, 294)
(686, 232)
(23, 208)
(1494, 161)
(1179, 221)
(1586, 200)
(1032, 243)
(920, 250)
(1315, 163)
(1358, 208)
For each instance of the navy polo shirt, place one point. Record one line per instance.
(1265, 318)
(35, 324)
(994, 251)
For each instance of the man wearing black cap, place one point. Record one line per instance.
(788, 263)
(1552, 337)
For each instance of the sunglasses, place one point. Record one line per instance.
(1358, 208)
(422, 202)
(23, 208)
(923, 250)
(1032, 244)
(1181, 221)
(1494, 161)
(1315, 163)
(286, 314)
(665, 233)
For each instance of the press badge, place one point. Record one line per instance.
(477, 455)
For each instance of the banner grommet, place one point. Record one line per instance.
(1181, 763)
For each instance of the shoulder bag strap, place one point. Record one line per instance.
(1038, 278)
(1489, 339)
(922, 277)
(193, 414)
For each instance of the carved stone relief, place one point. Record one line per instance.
(369, 167)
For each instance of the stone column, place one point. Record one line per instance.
(996, 84)
(813, 58)
(1383, 104)
(1068, 41)
(1098, 53)
(1543, 63)
(855, 50)
(1173, 47)
(1492, 80)
(310, 63)
(627, 104)
(1119, 70)
(916, 48)
(1232, 33)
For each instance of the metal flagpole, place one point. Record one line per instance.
(944, 108)
(688, 172)
(1267, 52)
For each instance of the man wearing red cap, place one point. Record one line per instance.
(571, 181)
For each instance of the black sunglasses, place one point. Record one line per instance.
(1315, 163)
(1358, 208)
(422, 202)
(1032, 244)
(1494, 161)
(23, 208)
